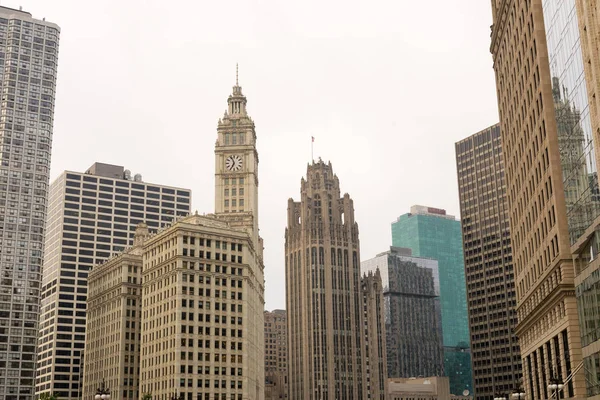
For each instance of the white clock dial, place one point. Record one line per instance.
(233, 163)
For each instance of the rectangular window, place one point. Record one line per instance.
(227, 138)
(227, 192)
(226, 203)
(233, 139)
(241, 191)
(242, 137)
(241, 181)
(233, 203)
(234, 192)
(241, 202)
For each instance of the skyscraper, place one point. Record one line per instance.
(202, 303)
(92, 215)
(28, 53)
(431, 233)
(496, 357)
(413, 323)
(327, 349)
(276, 378)
(550, 156)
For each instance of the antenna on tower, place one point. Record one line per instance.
(236, 74)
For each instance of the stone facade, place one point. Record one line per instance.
(539, 207)
(202, 289)
(276, 378)
(114, 324)
(374, 333)
(326, 345)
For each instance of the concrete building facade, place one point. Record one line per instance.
(276, 378)
(113, 329)
(431, 388)
(491, 296)
(28, 54)
(431, 233)
(91, 216)
(413, 321)
(326, 345)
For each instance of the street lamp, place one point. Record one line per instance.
(518, 394)
(102, 393)
(556, 385)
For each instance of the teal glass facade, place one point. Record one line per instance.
(440, 237)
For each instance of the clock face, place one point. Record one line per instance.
(233, 163)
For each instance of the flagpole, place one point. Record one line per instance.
(312, 145)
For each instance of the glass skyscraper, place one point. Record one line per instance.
(430, 233)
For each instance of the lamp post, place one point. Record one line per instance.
(102, 393)
(518, 394)
(556, 385)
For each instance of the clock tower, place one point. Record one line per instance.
(236, 162)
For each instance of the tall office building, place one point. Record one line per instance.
(495, 354)
(548, 120)
(276, 378)
(413, 323)
(91, 216)
(28, 54)
(431, 233)
(326, 348)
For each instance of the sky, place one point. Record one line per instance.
(385, 87)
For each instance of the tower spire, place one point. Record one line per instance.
(236, 74)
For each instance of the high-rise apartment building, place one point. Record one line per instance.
(202, 292)
(374, 334)
(495, 353)
(113, 329)
(544, 60)
(276, 378)
(431, 233)
(91, 216)
(28, 53)
(326, 345)
(413, 324)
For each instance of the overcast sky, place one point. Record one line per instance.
(385, 87)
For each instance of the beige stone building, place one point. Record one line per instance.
(114, 324)
(549, 124)
(202, 313)
(431, 388)
(327, 349)
(276, 378)
(202, 291)
(374, 333)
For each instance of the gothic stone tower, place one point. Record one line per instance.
(326, 343)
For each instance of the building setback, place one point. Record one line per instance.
(431, 233)
(326, 345)
(545, 64)
(276, 378)
(489, 270)
(28, 54)
(413, 326)
(91, 216)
